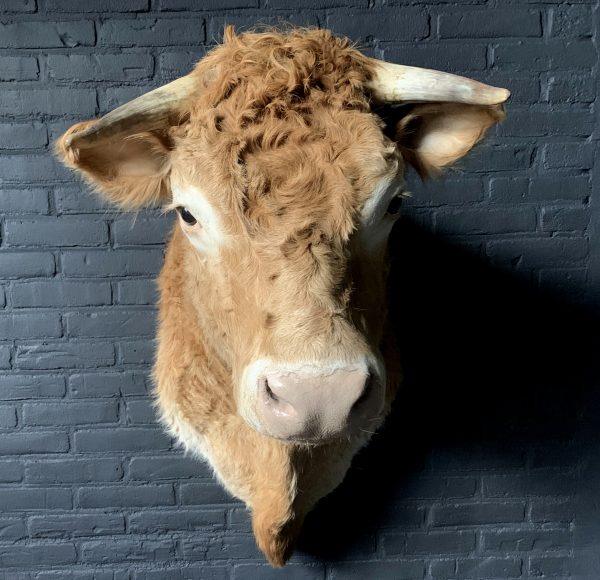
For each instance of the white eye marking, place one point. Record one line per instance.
(376, 222)
(207, 235)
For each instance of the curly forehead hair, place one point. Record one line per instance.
(294, 108)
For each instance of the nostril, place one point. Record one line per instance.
(277, 404)
(270, 392)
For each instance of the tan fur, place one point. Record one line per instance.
(281, 140)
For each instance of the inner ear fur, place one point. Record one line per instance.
(433, 136)
(131, 171)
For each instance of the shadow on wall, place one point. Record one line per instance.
(493, 369)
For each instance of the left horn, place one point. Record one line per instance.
(147, 112)
(395, 83)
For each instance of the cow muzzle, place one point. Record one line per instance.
(312, 403)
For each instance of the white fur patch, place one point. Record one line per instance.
(208, 235)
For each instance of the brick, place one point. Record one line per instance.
(498, 158)
(15, 387)
(485, 221)
(446, 192)
(563, 155)
(527, 540)
(59, 355)
(28, 168)
(78, 470)
(32, 200)
(112, 97)
(18, 6)
(175, 64)
(36, 498)
(30, 325)
(102, 551)
(571, 88)
(186, 5)
(442, 569)
(483, 458)
(216, 24)
(5, 356)
(402, 516)
(152, 32)
(538, 252)
(36, 442)
(26, 264)
(100, 67)
(187, 573)
(107, 384)
(140, 413)
(425, 543)
(80, 525)
(265, 572)
(12, 529)
(565, 219)
(77, 200)
(204, 494)
(166, 522)
(79, 103)
(113, 322)
(121, 439)
(126, 497)
(504, 568)
(37, 554)
(565, 188)
(58, 292)
(527, 485)
(11, 471)
(554, 512)
(19, 68)
(67, 413)
(551, 566)
(140, 231)
(117, 263)
(571, 22)
(553, 56)
(548, 123)
(22, 135)
(385, 24)
(97, 6)
(477, 514)
(47, 34)
(8, 417)
(50, 231)
(228, 547)
(143, 291)
(399, 570)
(490, 24)
(448, 57)
(319, 4)
(137, 351)
(170, 467)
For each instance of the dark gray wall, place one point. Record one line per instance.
(488, 467)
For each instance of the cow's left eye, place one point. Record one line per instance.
(186, 216)
(395, 205)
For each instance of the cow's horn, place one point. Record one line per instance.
(144, 113)
(394, 83)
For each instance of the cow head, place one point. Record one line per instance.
(283, 155)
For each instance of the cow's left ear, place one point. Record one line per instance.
(434, 136)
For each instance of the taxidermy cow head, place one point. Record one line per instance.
(283, 156)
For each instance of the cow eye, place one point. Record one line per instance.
(186, 216)
(395, 205)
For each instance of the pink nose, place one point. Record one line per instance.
(313, 405)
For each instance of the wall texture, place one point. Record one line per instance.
(489, 467)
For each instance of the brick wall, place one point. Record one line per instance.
(487, 468)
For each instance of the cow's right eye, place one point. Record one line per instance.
(186, 216)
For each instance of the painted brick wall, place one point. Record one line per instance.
(488, 467)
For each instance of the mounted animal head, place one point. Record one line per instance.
(284, 156)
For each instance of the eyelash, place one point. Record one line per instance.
(186, 216)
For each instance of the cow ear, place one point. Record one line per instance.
(130, 170)
(434, 136)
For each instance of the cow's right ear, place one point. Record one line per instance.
(130, 170)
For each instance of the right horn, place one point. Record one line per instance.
(393, 83)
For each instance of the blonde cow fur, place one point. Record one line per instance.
(282, 158)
